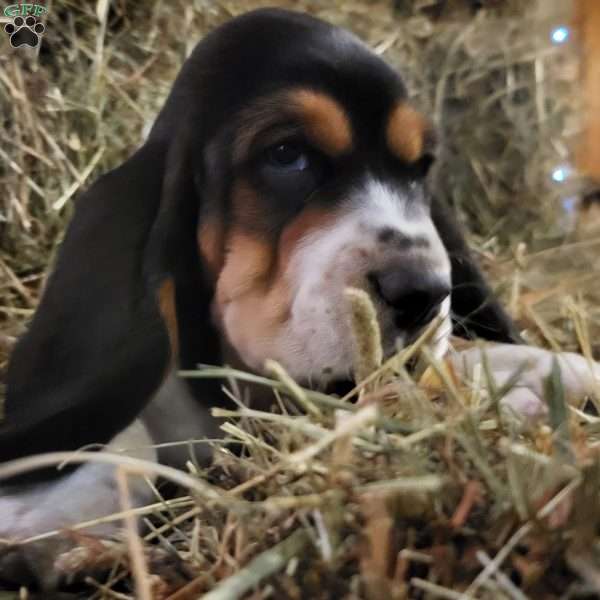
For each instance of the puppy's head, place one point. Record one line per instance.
(314, 181)
(286, 165)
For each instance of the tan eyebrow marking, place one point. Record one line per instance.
(406, 133)
(324, 120)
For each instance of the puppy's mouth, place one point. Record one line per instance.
(339, 387)
(343, 386)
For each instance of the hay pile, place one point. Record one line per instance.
(412, 493)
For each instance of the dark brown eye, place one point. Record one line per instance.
(290, 171)
(288, 157)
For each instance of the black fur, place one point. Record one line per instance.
(97, 346)
(475, 310)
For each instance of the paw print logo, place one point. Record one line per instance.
(24, 31)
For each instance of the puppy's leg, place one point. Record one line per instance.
(86, 494)
(580, 378)
(175, 415)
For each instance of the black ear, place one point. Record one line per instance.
(475, 310)
(100, 342)
(174, 250)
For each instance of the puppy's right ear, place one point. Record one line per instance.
(476, 312)
(99, 343)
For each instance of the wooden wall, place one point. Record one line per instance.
(587, 16)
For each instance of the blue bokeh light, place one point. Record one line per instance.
(570, 204)
(561, 174)
(560, 34)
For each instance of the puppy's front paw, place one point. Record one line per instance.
(34, 564)
(524, 403)
(48, 563)
(57, 507)
(525, 370)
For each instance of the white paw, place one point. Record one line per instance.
(524, 403)
(526, 396)
(87, 494)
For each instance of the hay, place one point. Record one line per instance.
(408, 494)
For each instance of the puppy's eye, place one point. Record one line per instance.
(288, 157)
(290, 171)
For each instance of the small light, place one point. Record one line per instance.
(560, 174)
(560, 35)
(570, 204)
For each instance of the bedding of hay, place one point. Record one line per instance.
(412, 493)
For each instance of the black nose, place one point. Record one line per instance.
(415, 296)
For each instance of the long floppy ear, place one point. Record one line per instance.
(100, 342)
(476, 311)
(174, 250)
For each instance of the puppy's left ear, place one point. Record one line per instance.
(105, 332)
(476, 312)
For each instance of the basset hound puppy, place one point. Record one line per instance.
(286, 165)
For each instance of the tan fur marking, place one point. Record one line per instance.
(249, 261)
(166, 305)
(325, 121)
(307, 221)
(259, 313)
(251, 301)
(406, 133)
(210, 245)
(254, 294)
